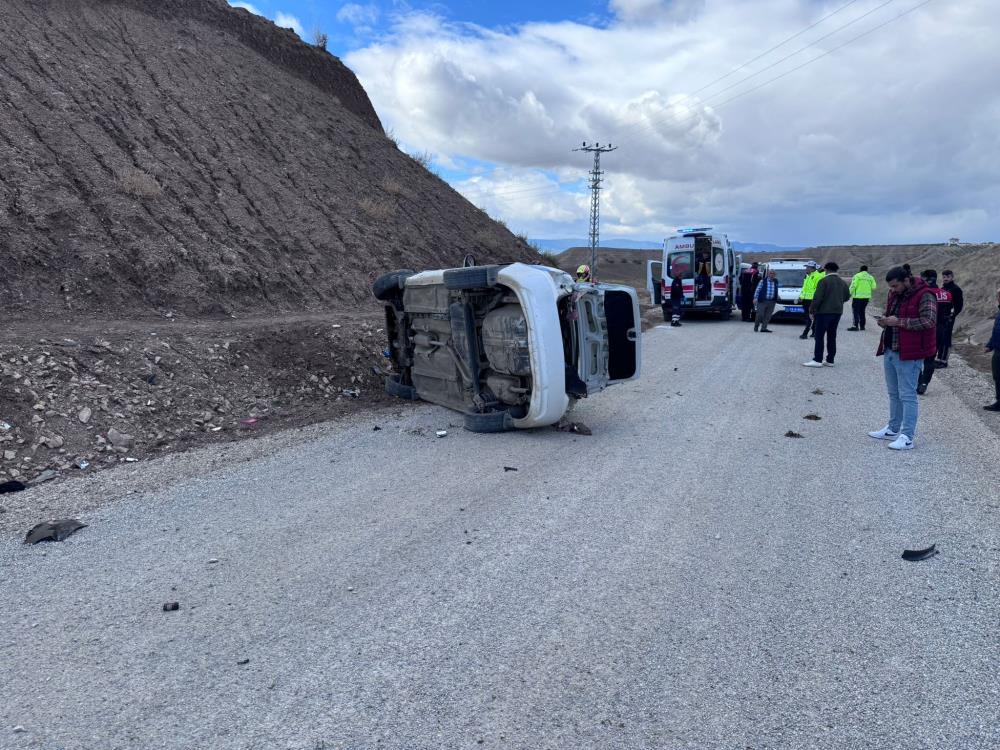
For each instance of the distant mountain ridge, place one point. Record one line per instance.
(561, 245)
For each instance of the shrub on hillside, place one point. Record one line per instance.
(139, 184)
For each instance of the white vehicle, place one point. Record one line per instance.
(708, 268)
(510, 346)
(791, 273)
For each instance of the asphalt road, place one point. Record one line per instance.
(687, 577)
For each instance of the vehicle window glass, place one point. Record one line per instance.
(681, 264)
(790, 277)
(719, 261)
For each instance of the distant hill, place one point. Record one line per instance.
(561, 245)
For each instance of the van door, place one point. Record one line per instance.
(621, 310)
(654, 281)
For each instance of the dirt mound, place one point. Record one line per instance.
(190, 157)
(614, 265)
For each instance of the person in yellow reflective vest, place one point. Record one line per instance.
(808, 292)
(862, 286)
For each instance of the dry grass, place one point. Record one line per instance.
(377, 209)
(394, 187)
(139, 184)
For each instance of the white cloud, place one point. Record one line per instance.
(891, 138)
(356, 14)
(247, 6)
(287, 21)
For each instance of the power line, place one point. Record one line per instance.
(648, 125)
(802, 65)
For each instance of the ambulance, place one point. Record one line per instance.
(708, 267)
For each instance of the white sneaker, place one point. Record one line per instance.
(902, 443)
(812, 363)
(884, 434)
(828, 364)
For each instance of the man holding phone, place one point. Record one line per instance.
(909, 336)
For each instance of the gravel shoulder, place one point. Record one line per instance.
(687, 577)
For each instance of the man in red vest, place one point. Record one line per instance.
(909, 336)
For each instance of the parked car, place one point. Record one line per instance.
(791, 273)
(510, 346)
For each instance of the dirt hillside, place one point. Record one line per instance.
(195, 158)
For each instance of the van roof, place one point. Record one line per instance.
(790, 261)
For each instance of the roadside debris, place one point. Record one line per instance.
(45, 476)
(915, 555)
(578, 427)
(249, 422)
(171, 606)
(818, 392)
(376, 428)
(812, 417)
(53, 531)
(793, 434)
(12, 486)
(213, 560)
(510, 468)
(121, 442)
(442, 433)
(241, 662)
(6, 426)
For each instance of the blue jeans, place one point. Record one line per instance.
(901, 377)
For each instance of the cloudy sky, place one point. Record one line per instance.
(890, 134)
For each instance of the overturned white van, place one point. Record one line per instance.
(510, 346)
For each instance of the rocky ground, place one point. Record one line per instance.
(77, 398)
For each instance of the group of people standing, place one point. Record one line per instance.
(917, 330)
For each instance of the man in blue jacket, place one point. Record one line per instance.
(994, 346)
(766, 298)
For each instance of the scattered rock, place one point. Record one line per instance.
(793, 434)
(812, 417)
(510, 468)
(213, 560)
(442, 433)
(120, 440)
(171, 606)
(45, 476)
(53, 531)
(241, 662)
(818, 392)
(376, 428)
(19, 729)
(85, 414)
(9, 455)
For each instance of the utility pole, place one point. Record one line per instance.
(595, 199)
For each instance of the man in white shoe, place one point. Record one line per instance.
(909, 335)
(826, 308)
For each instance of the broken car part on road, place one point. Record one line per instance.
(53, 531)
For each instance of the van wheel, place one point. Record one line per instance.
(491, 421)
(394, 388)
(726, 314)
(390, 285)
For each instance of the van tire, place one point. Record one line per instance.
(491, 421)
(389, 286)
(477, 277)
(394, 388)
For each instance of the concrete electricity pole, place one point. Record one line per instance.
(595, 199)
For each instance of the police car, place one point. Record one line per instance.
(791, 273)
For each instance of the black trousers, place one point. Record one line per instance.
(944, 335)
(858, 307)
(996, 372)
(826, 329)
(810, 321)
(928, 372)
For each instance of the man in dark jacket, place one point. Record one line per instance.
(676, 301)
(957, 303)
(908, 337)
(748, 285)
(827, 307)
(994, 346)
(943, 297)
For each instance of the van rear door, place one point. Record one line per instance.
(621, 310)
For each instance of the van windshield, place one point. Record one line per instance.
(790, 278)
